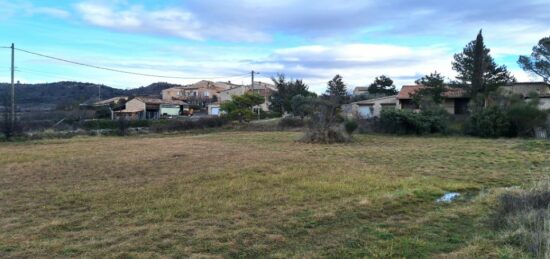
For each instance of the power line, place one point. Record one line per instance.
(117, 70)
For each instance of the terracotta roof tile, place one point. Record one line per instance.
(408, 90)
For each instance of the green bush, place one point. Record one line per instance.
(240, 107)
(492, 122)
(408, 122)
(525, 117)
(518, 119)
(350, 126)
(239, 114)
(438, 119)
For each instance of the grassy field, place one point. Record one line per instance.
(237, 194)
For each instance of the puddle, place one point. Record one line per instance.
(448, 197)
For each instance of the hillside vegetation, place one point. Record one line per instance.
(64, 93)
(247, 194)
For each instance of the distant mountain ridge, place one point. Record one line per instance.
(64, 93)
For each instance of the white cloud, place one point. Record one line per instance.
(173, 22)
(360, 63)
(54, 12)
(9, 9)
(176, 22)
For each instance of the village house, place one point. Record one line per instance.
(455, 100)
(525, 90)
(226, 95)
(145, 108)
(112, 101)
(373, 108)
(201, 93)
(263, 89)
(360, 90)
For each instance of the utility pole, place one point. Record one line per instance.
(252, 73)
(252, 85)
(12, 86)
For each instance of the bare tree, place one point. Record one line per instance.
(325, 124)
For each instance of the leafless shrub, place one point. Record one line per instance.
(524, 216)
(325, 123)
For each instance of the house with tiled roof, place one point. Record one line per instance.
(526, 90)
(146, 108)
(455, 100)
(261, 88)
(360, 90)
(200, 93)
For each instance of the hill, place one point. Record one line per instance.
(63, 93)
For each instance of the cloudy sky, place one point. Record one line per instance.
(224, 40)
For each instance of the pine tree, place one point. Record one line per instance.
(337, 88)
(382, 85)
(281, 100)
(539, 61)
(434, 88)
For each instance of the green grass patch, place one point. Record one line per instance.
(258, 194)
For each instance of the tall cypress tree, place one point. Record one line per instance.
(479, 56)
(478, 73)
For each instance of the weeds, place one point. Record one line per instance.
(523, 217)
(252, 194)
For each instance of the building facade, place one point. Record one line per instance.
(147, 108)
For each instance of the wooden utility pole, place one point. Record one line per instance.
(12, 86)
(252, 89)
(252, 84)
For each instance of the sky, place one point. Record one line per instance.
(225, 40)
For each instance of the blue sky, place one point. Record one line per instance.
(223, 40)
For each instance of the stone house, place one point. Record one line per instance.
(526, 89)
(263, 89)
(455, 100)
(201, 93)
(145, 108)
(360, 90)
(372, 108)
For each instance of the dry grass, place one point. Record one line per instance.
(253, 195)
